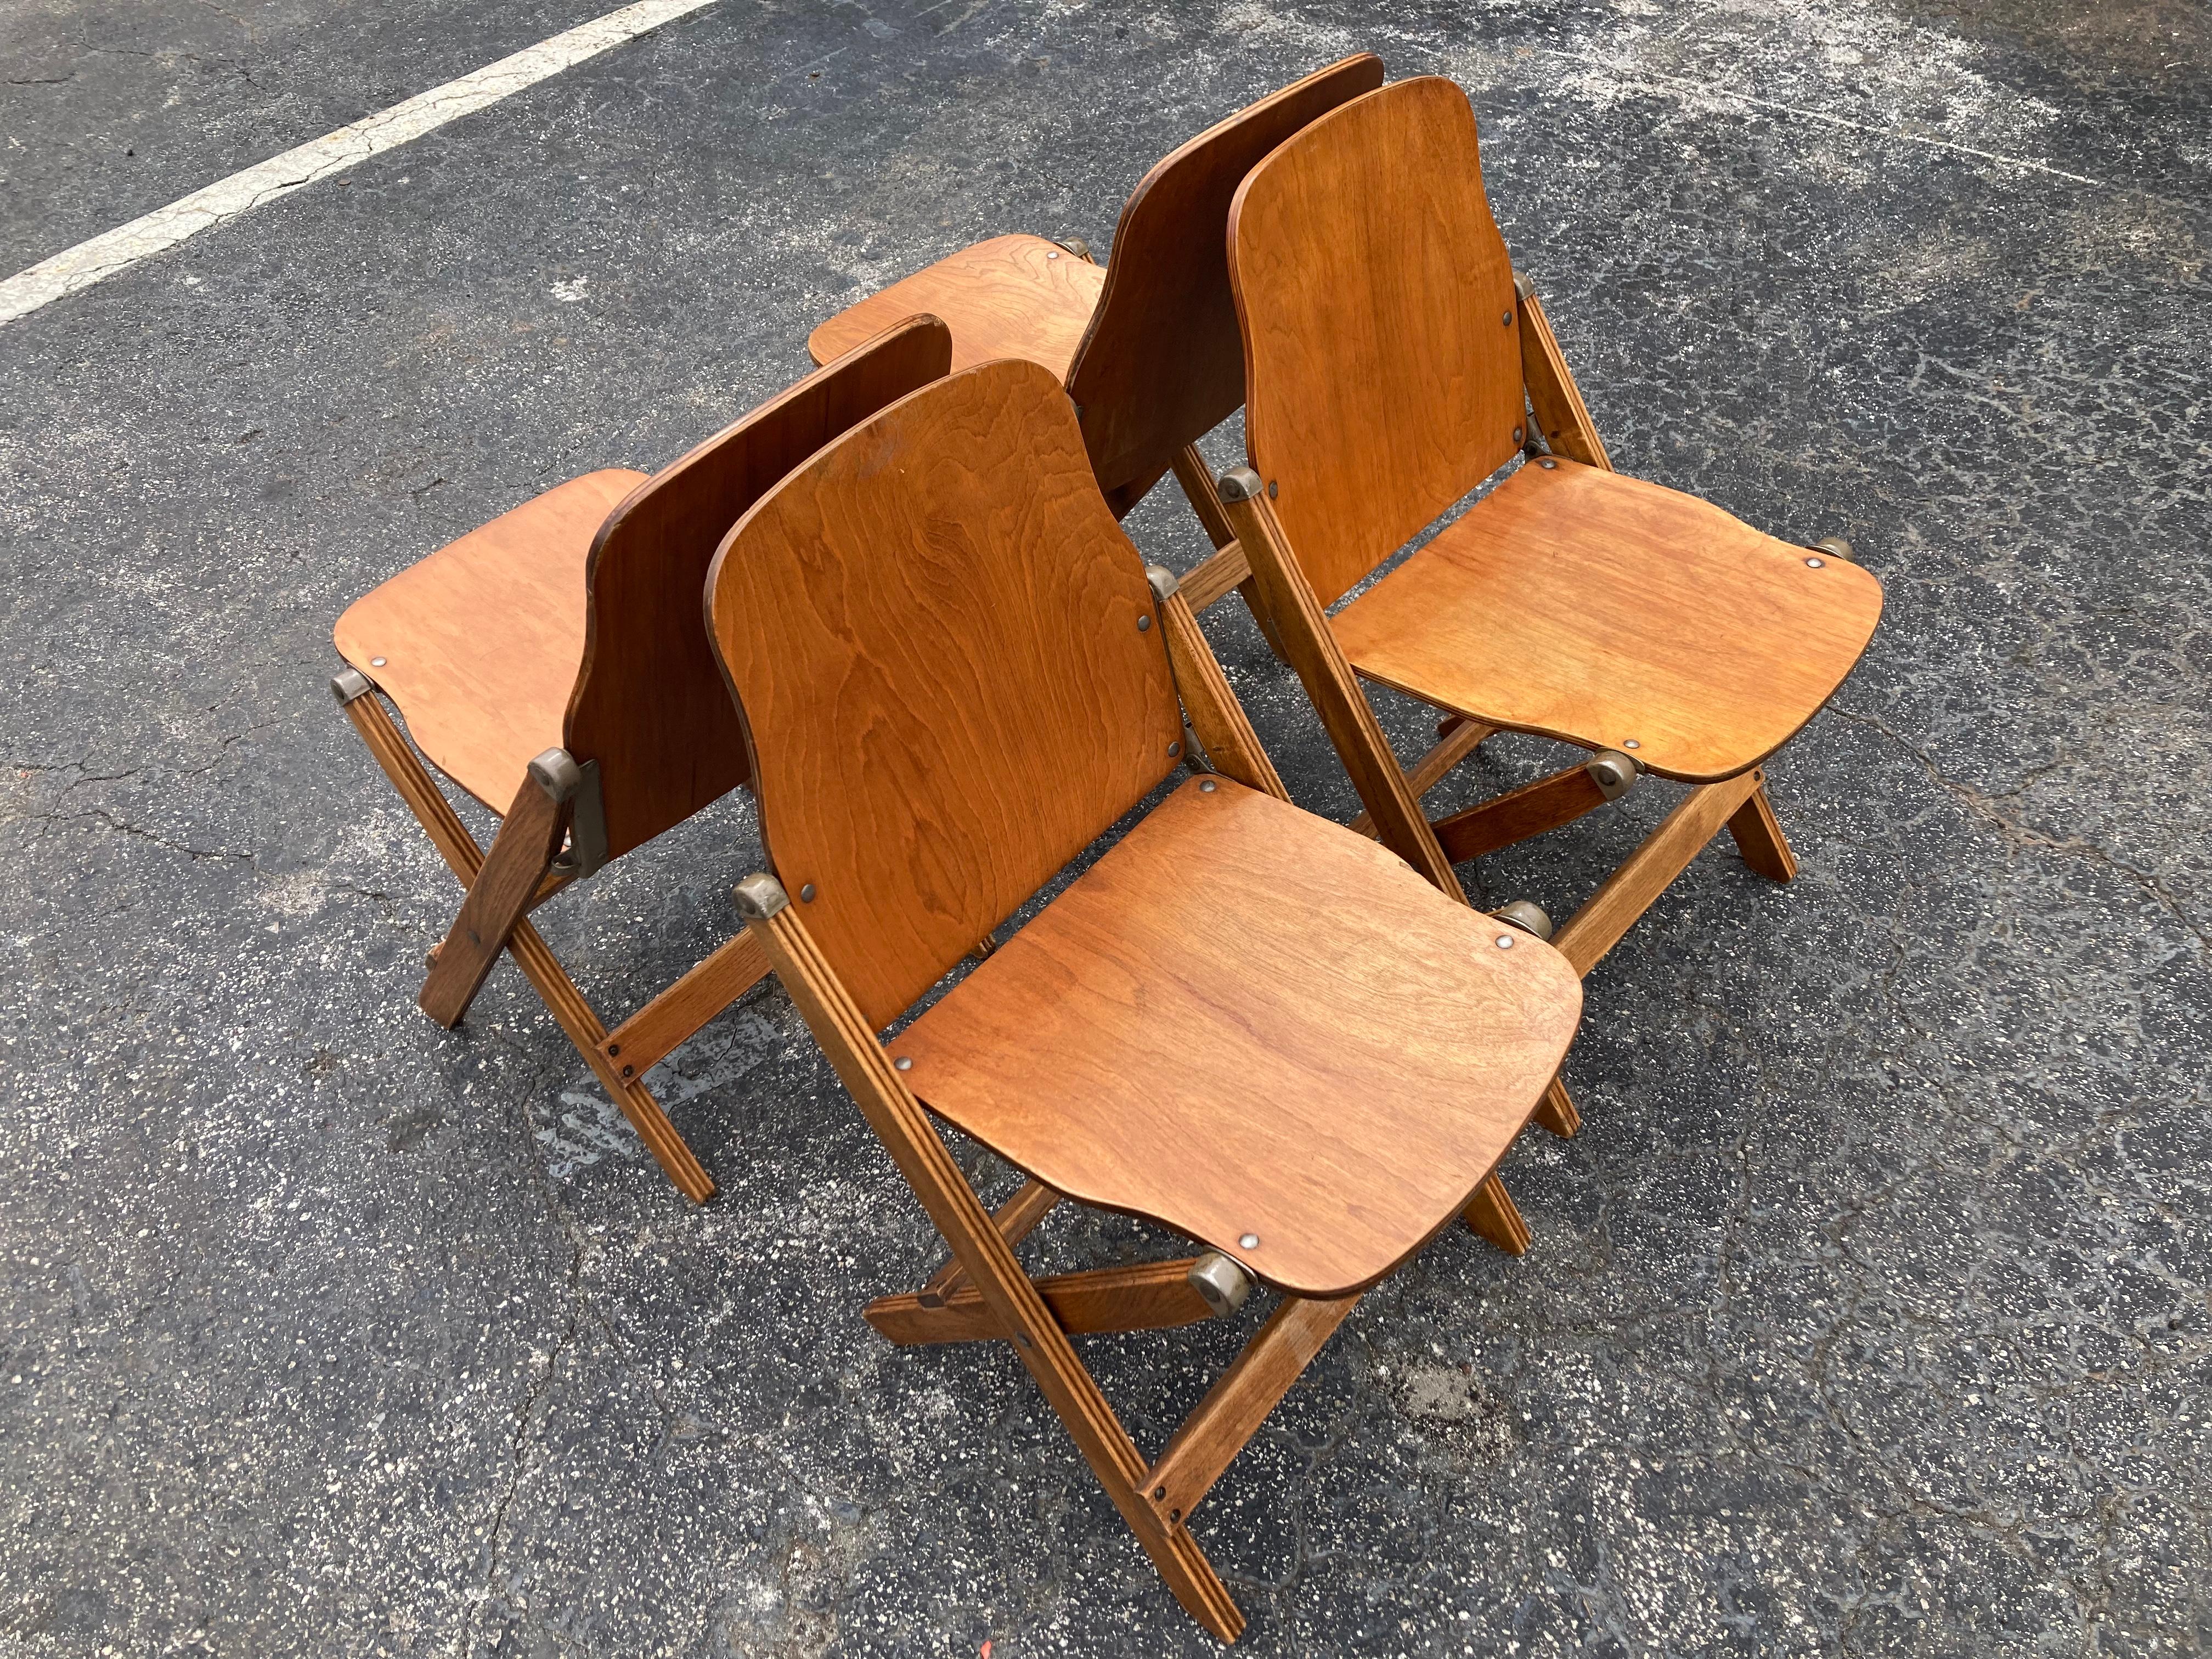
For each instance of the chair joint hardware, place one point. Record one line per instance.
(1221, 1281)
(1240, 483)
(1613, 773)
(760, 897)
(586, 851)
(351, 685)
(1162, 580)
(1526, 914)
(1523, 288)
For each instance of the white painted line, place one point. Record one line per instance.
(102, 256)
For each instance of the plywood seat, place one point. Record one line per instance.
(479, 642)
(1121, 1045)
(1585, 604)
(1012, 296)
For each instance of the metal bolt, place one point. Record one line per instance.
(1249, 1242)
(629, 1070)
(1816, 564)
(1022, 1337)
(1175, 1514)
(1272, 487)
(1051, 256)
(806, 894)
(1547, 462)
(1159, 1492)
(1507, 319)
(1174, 749)
(1206, 787)
(614, 1050)
(1516, 434)
(1630, 742)
(376, 662)
(1144, 624)
(903, 1063)
(1506, 941)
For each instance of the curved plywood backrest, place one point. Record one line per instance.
(1161, 363)
(942, 646)
(650, 705)
(1382, 337)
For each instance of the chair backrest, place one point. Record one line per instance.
(1381, 335)
(1160, 364)
(650, 705)
(943, 649)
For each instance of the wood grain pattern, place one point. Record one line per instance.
(848, 1039)
(1150, 1295)
(650, 704)
(478, 643)
(464, 859)
(529, 836)
(1380, 327)
(1162, 362)
(1012, 296)
(931, 628)
(1641, 618)
(1611, 911)
(1171, 1037)
(1238, 1402)
(1562, 417)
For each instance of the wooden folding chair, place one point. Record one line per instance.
(1148, 345)
(556, 660)
(1390, 366)
(1244, 1022)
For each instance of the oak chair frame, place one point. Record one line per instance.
(674, 746)
(1557, 422)
(983, 1293)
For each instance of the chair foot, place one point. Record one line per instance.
(1493, 1214)
(1557, 1113)
(1759, 839)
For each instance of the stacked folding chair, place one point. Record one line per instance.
(895, 603)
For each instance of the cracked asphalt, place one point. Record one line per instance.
(1868, 1313)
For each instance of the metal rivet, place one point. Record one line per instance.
(614, 1051)
(629, 1070)
(376, 662)
(1249, 1242)
(1507, 319)
(1144, 624)
(1546, 463)
(1630, 742)
(1159, 1492)
(1174, 749)
(1816, 564)
(806, 894)
(1206, 787)
(1272, 487)
(903, 1063)
(1051, 256)
(1516, 434)
(1506, 941)
(1175, 1514)
(1022, 1337)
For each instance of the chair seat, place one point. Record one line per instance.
(1245, 1021)
(1617, 613)
(1012, 296)
(479, 643)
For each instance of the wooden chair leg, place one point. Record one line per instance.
(1492, 1213)
(1556, 1111)
(555, 988)
(1151, 1296)
(1016, 1220)
(1038, 1339)
(1456, 738)
(1228, 567)
(1759, 837)
(521, 853)
(1645, 873)
(653, 1032)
